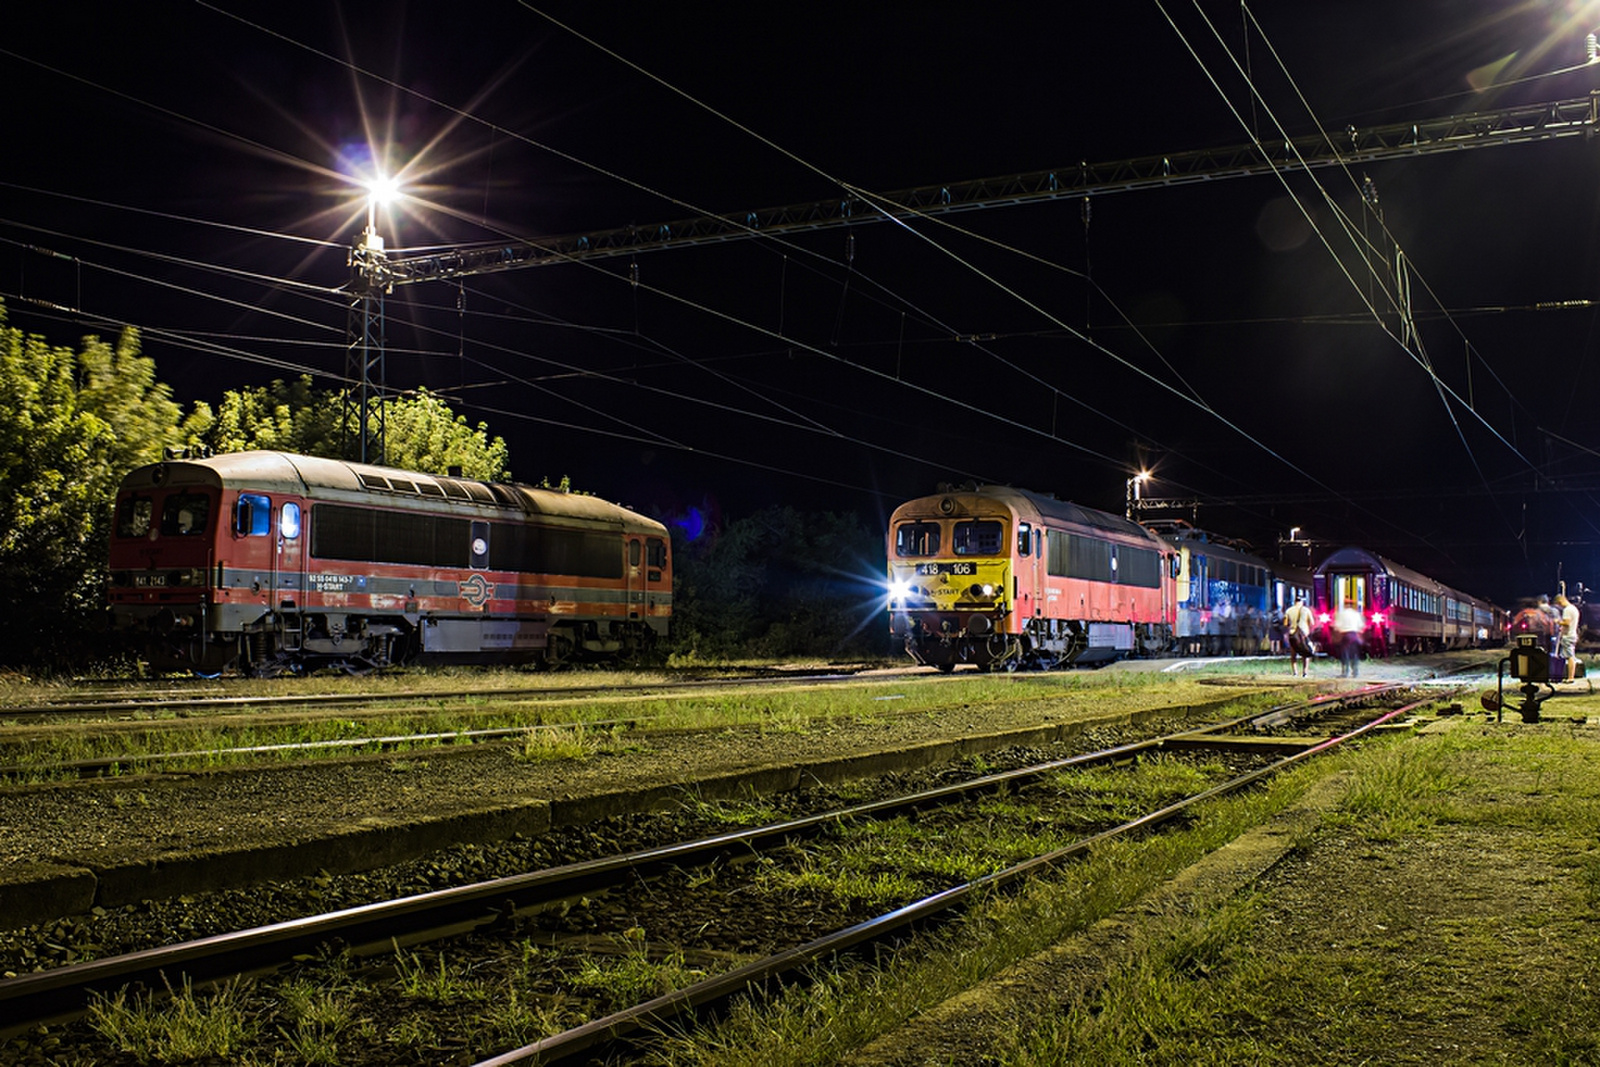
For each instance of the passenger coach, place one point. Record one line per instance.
(1001, 577)
(1229, 600)
(1402, 609)
(266, 561)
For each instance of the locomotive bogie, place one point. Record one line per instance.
(309, 563)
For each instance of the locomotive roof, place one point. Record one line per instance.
(284, 472)
(1046, 507)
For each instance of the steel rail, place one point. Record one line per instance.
(63, 992)
(116, 705)
(656, 1013)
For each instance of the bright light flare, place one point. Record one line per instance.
(384, 190)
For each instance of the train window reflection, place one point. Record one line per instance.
(184, 514)
(289, 521)
(977, 538)
(253, 515)
(917, 539)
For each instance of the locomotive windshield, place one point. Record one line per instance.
(977, 538)
(134, 515)
(917, 539)
(184, 514)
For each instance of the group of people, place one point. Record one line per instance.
(1562, 628)
(1559, 621)
(1348, 624)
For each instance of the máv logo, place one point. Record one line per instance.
(475, 590)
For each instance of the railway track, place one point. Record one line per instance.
(182, 703)
(507, 903)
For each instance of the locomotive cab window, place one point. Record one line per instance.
(252, 516)
(657, 552)
(134, 516)
(289, 521)
(917, 539)
(635, 553)
(185, 514)
(1024, 538)
(977, 538)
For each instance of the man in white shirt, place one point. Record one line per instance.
(1567, 648)
(1297, 627)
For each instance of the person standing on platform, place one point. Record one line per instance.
(1349, 624)
(1567, 648)
(1297, 628)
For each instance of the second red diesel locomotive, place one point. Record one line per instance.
(265, 562)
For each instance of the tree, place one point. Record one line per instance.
(781, 582)
(73, 424)
(423, 433)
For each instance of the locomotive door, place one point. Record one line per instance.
(288, 560)
(1026, 575)
(634, 579)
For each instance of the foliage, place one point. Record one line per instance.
(73, 424)
(780, 583)
(422, 432)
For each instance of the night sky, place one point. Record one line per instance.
(197, 165)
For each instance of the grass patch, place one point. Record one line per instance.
(180, 1027)
(1441, 915)
(212, 735)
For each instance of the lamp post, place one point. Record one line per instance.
(362, 415)
(1134, 485)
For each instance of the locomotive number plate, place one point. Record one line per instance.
(947, 568)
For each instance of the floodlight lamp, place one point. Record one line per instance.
(383, 190)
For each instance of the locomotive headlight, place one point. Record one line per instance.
(899, 589)
(988, 590)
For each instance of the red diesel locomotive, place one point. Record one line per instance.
(265, 562)
(1002, 578)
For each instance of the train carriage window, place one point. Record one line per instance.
(289, 521)
(134, 516)
(977, 538)
(1139, 566)
(252, 516)
(657, 552)
(1076, 556)
(1024, 538)
(342, 532)
(917, 539)
(185, 515)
